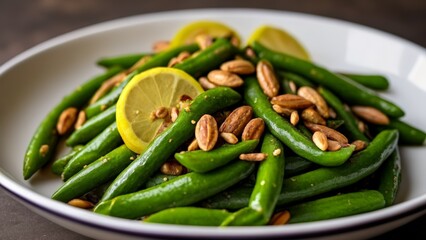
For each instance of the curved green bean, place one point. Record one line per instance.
(181, 191)
(43, 144)
(204, 161)
(347, 89)
(163, 146)
(286, 132)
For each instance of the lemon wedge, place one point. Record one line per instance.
(150, 92)
(188, 33)
(279, 40)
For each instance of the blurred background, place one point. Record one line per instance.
(25, 23)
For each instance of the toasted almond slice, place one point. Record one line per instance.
(329, 132)
(294, 118)
(66, 120)
(267, 79)
(206, 84)
(256, 157)
(253, 130)
(312, 116)
(238, 66)
(359, 145)
(291, 101)
(286, 112)
(320, 140)
(229, 137)
(237, 120)
(81, 203)
(223, 78)
(206, 132)
(160, 45)
(193, 145)
(280, 218)
(371, 115)
(173, 168)
(333, 145)
(312, 95)
(81, 119)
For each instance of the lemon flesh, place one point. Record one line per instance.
(146, 93)
(188, 33)
(279, 40)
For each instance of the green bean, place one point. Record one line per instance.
(92, 127)
(59, 164)
(158, 179)
(42, 146)
(376, 82)
(286, 132)
(409, 134)
(163, 146)
(204, 161)
(105, 142)
(295, 165)
(194, 216)
(210, 58)
(336, 206)
(269, 180)
(347, 89)
(158, 60)
(321, 180)
(390, 177)
(95, 174)
(124, 61)
(349, 119)
(180, 191)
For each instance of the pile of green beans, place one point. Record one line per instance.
(217, 188)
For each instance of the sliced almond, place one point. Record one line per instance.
(81, 119)
(206, 84)
(203, 40)
(255, 157)
(66, 120)
(206, 132)
(238, 66)
(223, 78)
(160, 45)
(371, 115)
(267, 79)
(173, 168)
(359, 145)
(237, 120)
(312, 95)
(329, 132)
(280, 218)
(193, 145)
(139, 63)
(286, 112)
(294, 118)
(320, 140)
(174, 114)
(333, 145)
(107, 85)
(179, 58)
(254, 129)
(81, 203)
(312, 116)
(291, 101)
(229, 137)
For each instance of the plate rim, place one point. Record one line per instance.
(14, 187)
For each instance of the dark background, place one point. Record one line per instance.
(25, 23)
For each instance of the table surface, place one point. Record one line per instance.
(25, 23)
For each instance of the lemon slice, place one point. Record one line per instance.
(146, 93)
(188, 33)
(278, 40)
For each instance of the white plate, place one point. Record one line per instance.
(33, 82)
